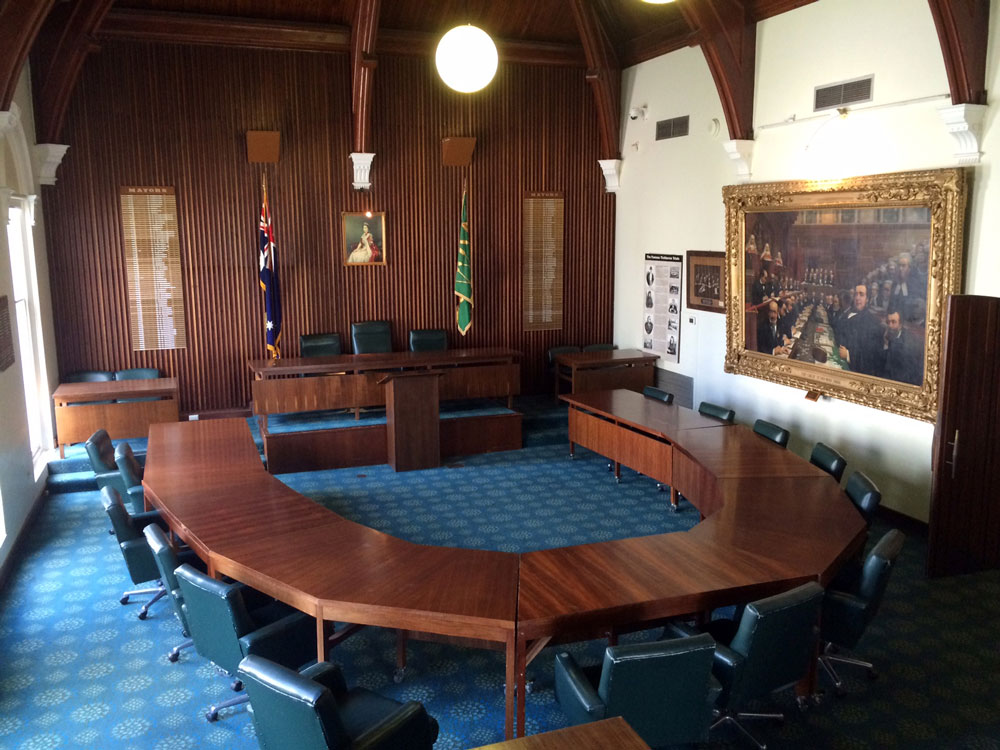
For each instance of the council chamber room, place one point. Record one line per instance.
(523, 375)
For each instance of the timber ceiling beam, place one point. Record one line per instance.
(363, 63)
(603, 74)
(727, 34)
(57, 58)
(20, 22)
(963, 28)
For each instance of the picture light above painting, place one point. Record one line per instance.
(840, 286)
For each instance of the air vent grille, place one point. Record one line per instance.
(675, 127)
(843, 93)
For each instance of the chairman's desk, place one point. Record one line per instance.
(770, 530)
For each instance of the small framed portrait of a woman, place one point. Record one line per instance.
(364, 238)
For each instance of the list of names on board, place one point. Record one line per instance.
(542, 262)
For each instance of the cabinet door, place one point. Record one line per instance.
(965, 495)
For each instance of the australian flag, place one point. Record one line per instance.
(269, 278)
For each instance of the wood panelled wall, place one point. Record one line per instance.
(173, 115)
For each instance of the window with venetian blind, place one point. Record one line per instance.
(153, 268)
(542, 262)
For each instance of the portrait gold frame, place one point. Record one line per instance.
(351, 228)
(941, 193)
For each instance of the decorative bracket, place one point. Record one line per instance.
(48, 157)
(9, 119)
(362, 170)
(964, 122)
(741, 152)
(612, 169)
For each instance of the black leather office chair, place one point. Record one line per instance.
(131, 476)
(768, 649)
(847, 611)
(428, 340)
(599, 347)
(137, 373)
(371, 337)
(128, 529)
(89, 376)
(709, 409)
(772, 432)
(228, 621)
(167, 561)
(651, 391)
(101, 453)
(864, 494)
(664, 690)
(828, 460)
(319, 345)
(550, 359)
(314, 710)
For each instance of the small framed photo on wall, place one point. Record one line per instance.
(363, 238)
(706, 280)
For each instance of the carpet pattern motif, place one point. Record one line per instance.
(79, 670)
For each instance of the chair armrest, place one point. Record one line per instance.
(407, 728)
(135, 498)
(726, 665)
(142, 520)
(576, 694)
(328, 675)
(290, 641)
(714, 690)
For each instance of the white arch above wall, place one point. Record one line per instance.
(12, 134)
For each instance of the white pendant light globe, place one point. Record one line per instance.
(466, 59)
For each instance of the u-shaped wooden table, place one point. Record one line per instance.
(773, 521)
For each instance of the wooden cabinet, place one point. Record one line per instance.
(965, 494)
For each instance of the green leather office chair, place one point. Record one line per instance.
(428, 340)
(709, 409)
(228, 621)
(89, 376)
(319, 345)
(828, 460)
(651, 391)
(131, 476)
(664, 690)
(371, 337)
(167, 560)
(137, 373)
(128, 529)
(768, 649)
(550, 359)
(864, 494)
(772, 432)
(314, 710)
(847, 612)
(599, 347)
(101, 453)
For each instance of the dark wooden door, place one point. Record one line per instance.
(965, 494)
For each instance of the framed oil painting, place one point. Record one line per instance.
(706, 276)
(840, 287)
(363, 241)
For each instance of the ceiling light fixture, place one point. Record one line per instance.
(466, 59)
(657, 2)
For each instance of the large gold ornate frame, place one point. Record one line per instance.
(941, 194)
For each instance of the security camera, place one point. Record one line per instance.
(636, 112)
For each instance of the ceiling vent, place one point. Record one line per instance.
(843, 93)
(675, 127)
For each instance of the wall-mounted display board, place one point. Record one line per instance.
(542, 262)
(661, 305)
(153, 268)
(6, 336)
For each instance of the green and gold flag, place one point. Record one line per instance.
(463, 273)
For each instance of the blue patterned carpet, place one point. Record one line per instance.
(78, 670)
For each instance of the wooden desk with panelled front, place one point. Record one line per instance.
(773, 521)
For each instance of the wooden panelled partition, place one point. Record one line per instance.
(177, 116)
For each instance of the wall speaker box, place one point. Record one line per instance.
(263, 146)
(457, 152)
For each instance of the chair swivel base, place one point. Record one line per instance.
(175, 652)
(158, 593)
(213, 712)
(826, 661)
(734, 719)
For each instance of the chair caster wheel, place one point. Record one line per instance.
(618, 480)
(529, 686)
(142, 615)
(674, 508)
(237, 686)
(398, 675)
(212, 715)
(123, 600)
(803, 703)
(610, 467)
(173, 656)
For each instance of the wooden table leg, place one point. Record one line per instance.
(320, 637)
(521, 684)
(673, 497)
(618, 472)
(508, 726)
(62, 450)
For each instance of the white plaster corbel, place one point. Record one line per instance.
(964, 122)
(5, 195)
(9, 119)
(741, 152)
(362, 170)
(48, 157)
(612, 169)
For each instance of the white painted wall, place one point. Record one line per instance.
(19, 488)
(671, 201)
